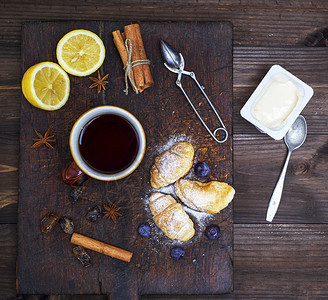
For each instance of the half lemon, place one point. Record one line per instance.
(80, 52)
(46, 85)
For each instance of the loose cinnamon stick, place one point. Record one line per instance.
(101, 247)
(148, 79)
(130, 33)
(119, 43)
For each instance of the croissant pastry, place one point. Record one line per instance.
(209, 197)
(170, 217)
(171, 165)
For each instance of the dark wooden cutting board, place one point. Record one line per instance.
(45, 261)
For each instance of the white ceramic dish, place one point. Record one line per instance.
(278, 132)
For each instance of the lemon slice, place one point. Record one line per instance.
(46, 85)
(80, 52)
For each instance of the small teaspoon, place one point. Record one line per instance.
(294, 139)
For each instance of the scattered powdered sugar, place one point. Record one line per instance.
(201, 219)
(172, 141)
(169, 189)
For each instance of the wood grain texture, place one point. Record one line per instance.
(281, 261)
(9, 135)
(164, 114)
(271, 262)
(8, 252)
(260, 23)
(64, 297)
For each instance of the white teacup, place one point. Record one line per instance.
(76, 136)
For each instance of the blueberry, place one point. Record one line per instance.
(177, 252)
(202, 169)
(144, 230)
(213, 232)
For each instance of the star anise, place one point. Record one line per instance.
(111, 211)
(43, 140)
(99, 82)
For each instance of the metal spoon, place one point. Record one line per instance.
(294, 139)
(170, 55)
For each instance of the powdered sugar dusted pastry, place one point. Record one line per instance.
(209, 197)
(170, 217)
(172, 164)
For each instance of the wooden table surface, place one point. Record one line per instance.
(287, 259)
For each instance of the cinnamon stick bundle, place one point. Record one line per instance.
(140, 73)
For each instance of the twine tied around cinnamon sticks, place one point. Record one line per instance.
(130, 46)
(131, 64)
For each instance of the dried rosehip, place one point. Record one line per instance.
(66, 225)
(49, 222)
(82, 256)
(94, 214)
(76, 193)
(73, 175)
